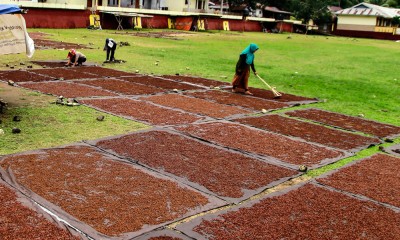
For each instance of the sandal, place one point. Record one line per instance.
(248, 93)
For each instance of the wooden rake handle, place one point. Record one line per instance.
(276, 93)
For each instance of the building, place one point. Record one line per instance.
(368, 21)
(128, 14)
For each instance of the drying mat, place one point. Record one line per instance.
(67, 73)
(162, 83)
(302, 212)
(376, 177)
(246, 101)
(164, 234)
(56, 63)
(104, 72)
(23, 219)
(196, 105)
(120, 86)
(67, 89)
(311, 132)
(198, 81)
(394, 150)
(214, 170)
(91, 190)
(144, 112)
(293, 99)
(347, 122)
(23, 76)
(286, 150)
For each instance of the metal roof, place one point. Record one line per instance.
(125, 14)
(274, 9)
(367, 9)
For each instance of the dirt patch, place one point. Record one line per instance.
(195, 105)
(162, 83)
(309, 212)
(197, 80)
(121, 87)
(167, 35)
(261, 142)
(50, 64)
(38, 35)
(103, 192)
(42, 43)
(67, 89)
(50, 44)
(18, 97)
(348, 122)
(310, 132)
(20, 219)
(376, 177)
(228, 98)
(142, 111)
(222, 172)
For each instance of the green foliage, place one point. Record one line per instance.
(396, 21)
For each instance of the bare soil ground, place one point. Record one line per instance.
(18, 97)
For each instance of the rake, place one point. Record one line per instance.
(276, 93)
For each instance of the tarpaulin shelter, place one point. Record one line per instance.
(13, 35)
(9, 8)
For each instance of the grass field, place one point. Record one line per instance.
(351, 76)
(354, 76)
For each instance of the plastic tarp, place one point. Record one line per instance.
(13, 35)
(9, 8)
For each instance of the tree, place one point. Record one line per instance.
(312, 9)
(393, 3)
(348, 3)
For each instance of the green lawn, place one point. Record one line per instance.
(355, 76)
(56, 125)
(351, 76)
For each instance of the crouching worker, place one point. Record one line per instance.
(75, 58)
(110, 47)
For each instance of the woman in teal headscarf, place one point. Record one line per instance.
(246, 60)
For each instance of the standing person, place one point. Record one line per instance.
(75, 58)
(242, 74)
(110, 47)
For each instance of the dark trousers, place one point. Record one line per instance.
(112, 51)
(80, 60)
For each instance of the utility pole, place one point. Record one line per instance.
(222, 7)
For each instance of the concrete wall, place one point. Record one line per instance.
(364, 34)
(357, 23)
(356, 27)
(56, 18)
(177, 5)
(54, 4)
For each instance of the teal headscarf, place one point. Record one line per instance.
(249, 51)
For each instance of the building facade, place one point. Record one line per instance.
(124, 14)
(369, 21)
